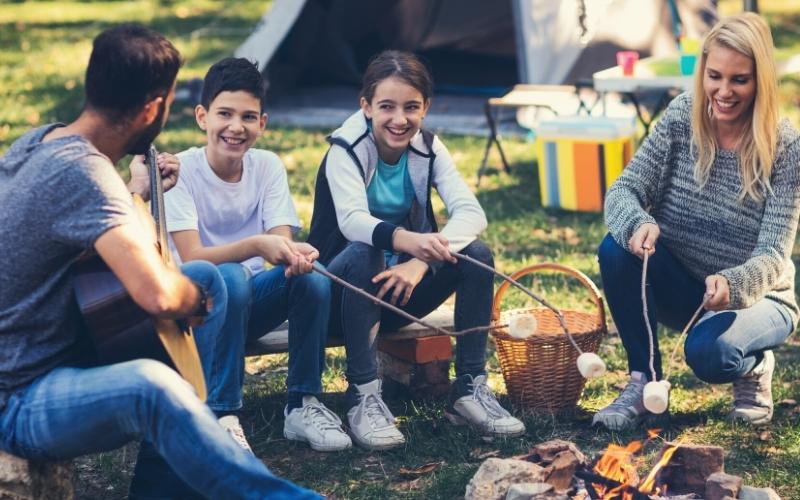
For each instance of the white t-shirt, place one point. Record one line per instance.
(226, 212)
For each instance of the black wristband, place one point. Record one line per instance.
(202, 303)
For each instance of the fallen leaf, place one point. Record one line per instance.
(765, 435)
(421, 470)
(483, 456)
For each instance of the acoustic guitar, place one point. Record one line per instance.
(118, 327)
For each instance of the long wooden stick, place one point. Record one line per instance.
(561, 320)
(650, 335)
(399, 311)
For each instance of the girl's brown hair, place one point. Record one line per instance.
(395, 63)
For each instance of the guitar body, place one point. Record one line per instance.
(123, 331)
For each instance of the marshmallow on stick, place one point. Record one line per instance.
(591, 365)
(656, 396)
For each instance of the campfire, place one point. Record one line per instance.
(614, 476)
(559, 470)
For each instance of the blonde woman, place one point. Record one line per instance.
(713, 196)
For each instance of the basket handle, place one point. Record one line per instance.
(551, 266)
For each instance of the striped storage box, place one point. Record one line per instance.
(579, 158)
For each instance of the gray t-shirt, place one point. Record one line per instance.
(56, 199)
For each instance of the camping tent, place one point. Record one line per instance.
(468, 43)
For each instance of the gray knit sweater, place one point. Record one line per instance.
(709, 230)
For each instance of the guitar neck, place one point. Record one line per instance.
(157, 201)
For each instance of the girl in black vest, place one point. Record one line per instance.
(374, 226)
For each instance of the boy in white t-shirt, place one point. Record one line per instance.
(232, 207)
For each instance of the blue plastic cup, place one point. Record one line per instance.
(687, 64)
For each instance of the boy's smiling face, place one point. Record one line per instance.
(232, 124)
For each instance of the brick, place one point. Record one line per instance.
(690, 467)
(419, 350)
(418, 380)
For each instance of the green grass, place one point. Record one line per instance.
(45, 49)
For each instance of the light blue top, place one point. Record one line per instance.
(390, 193)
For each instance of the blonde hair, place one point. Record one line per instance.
(749, 35)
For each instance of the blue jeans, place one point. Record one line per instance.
(256, 305)
(720, 348)
(358, 319)
(74, 411)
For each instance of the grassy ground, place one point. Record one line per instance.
(46, 46)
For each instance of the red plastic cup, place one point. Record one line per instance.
(626, 59)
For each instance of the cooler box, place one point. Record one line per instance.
(579, 158)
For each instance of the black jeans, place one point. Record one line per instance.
(358, 320)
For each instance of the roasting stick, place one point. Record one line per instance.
(561, 320)
(590, 365)
(399, 311)
(656, 392)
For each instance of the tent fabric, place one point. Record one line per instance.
(468, 43)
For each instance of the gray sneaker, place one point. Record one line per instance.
(752, 393)
(628, 409)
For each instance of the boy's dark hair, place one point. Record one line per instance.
(395, 63)
(233, 74)
(129, 65)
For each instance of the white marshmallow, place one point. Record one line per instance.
(590, 365)
(522, 326)
(656, 396)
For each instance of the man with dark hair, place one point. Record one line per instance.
(61, 196)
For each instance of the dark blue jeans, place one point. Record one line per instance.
(74, 411)
(256, 305)
(720, 348)
(358, 319)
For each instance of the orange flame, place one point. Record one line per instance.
(616, 464)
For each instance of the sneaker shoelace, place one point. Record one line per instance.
(321, 418)
(378, 414)
(484, 396)
(631, 396)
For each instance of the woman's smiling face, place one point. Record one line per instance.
(730, 84)
(396, 111)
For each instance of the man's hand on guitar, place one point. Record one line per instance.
(169, 165)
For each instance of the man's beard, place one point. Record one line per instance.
(142, 143)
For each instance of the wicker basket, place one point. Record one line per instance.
(541, 371)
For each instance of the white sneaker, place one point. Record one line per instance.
(752, 393)
(231, 424)
(372, 425)
(316, 425)
(474, 403)
(628, 409)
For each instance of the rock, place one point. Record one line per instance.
(750, 493)
(562, 470)
(24, 480)
(496, 475)
(561, 459)
(527, 491)
(720, 485)
(545, 453)
(690, 467)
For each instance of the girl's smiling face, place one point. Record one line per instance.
(396, 111)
